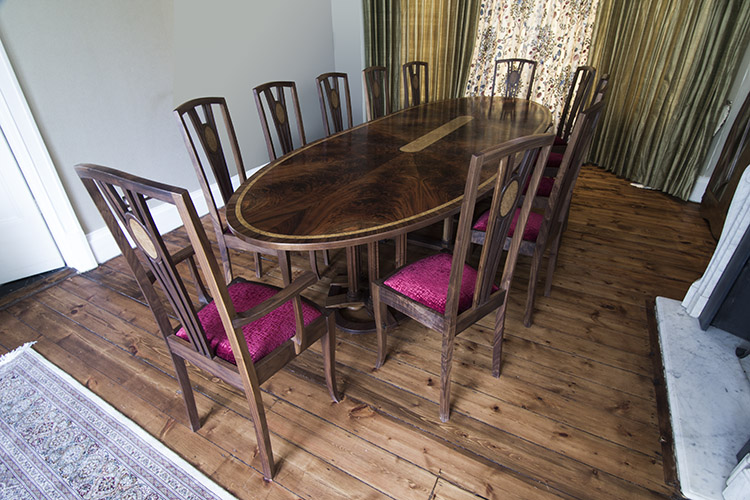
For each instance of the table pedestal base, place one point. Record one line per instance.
(355, 314)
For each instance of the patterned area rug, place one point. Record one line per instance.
(58, 440)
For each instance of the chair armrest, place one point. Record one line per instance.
(288, 293)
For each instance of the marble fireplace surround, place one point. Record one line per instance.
(708, 391)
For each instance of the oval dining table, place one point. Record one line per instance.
(379, 180)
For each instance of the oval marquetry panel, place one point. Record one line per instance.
(334, 98)
(415, 81)
(375, 89)
(142, 238)
(280, 112)
(513, 78)
(360, 186)
(212, 141)
(508, 201)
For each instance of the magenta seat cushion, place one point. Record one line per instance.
(530, 232)
(426, 281)
(554, 160)
(545, 186)
(560, 142)
(263, 335)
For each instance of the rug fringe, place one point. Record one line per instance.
(10, 356)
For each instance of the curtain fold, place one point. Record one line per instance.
(382, 30)
(671, 65)
(439, 32)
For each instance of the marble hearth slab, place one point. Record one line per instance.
(709, 399)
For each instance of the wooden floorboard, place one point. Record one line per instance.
(576, 412)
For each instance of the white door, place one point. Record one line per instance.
(26, 246)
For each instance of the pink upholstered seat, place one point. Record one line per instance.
(263, 335)
(426, 281)
(545, 186)
(530, 232)
(554, 160)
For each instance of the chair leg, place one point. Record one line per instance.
(328, 344)
(536, 263)
(314, 264)
(552, 264)
(258, 266)
(261, 429)
(187, 392)
(380, 312)
(445, 375)
(497, 341)
(326, 258)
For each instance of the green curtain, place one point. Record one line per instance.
(382, 28)
(671, 63)
(439, 32)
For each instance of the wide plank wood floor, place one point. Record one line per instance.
(574, 414)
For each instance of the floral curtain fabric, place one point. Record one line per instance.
(555, 33)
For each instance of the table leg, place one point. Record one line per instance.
(373, 261)
(352, 270)
(285, 265)
(354, 313)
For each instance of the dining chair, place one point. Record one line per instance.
(576, 100)
(543, 231)
(244, 335)
(330, 89)
(442, 291)
(518, 72)
(416, 83)
(272, 98)
(377, 97)
(600, 91)
(556, 156)
(210, 138)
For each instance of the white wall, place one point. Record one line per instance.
(98, 79)
(227, 47)
(737, 95)
(102, 77)
(349, 50)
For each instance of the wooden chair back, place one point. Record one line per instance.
(515, 163)
(516, 73)
(516, 160)
(122, 201)
(331, 86)
(578, 96)
(581, 138)
(416, 83)
(377, 96)
(600, 91)
(556, 207)
(273, 97)
(211, 142)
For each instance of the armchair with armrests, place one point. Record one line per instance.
(445, 293)
(244, 335)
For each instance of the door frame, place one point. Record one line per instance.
(40, 173)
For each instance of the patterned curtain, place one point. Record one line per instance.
(555, 33)
(671, 64)
(439, 32)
